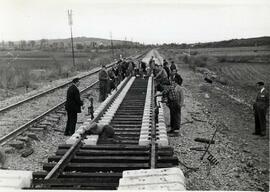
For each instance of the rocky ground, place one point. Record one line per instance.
(243, 158)
(44, 143)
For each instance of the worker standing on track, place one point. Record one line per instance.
(161, 78)
(103, 83)
(260, 109)
(176, 77)
(151, 64)
(124, 67)
(143, 67)
(112, 80)
(173, 66)
(130, 69)
(116, 73)
(165, 66)
(73, 106)
(175, 101)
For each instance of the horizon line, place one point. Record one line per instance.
(51, 39)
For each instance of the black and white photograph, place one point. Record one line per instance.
(142, 95)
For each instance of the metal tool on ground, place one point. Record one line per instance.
(212, 159)
(203, 140)
(198, 148)
(212, 139)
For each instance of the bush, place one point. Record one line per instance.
(7, 76)
(24, 77)
(221, 59)
(193, 52)
(79, 46)
(200, 61)
(186, 59)
(222, 80)
(57, 65)
(12, 77)
(196, 61)
(82, 66)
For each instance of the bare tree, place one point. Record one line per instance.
(25, 77)
(32, 43)
(7, 75)
(11, 44)
(23, 44)
(43, 43)
(57, 65)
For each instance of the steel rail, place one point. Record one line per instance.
(24, 127)
(42, 93)
(153, 158)
(57, 87)
(62, 163)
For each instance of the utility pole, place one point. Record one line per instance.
(70, 22)
(112, 45)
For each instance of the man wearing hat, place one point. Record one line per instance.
(260, 109)
(73, 106)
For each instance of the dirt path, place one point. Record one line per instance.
(243, 158)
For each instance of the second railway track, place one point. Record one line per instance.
(16, 118)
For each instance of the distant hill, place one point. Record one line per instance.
(82, 40)
(90, 40)
(257, 41)
(61, 44)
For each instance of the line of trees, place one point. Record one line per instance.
(45, 44)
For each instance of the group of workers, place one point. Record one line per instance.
(109, 79)
(168, 85)
(167, 80)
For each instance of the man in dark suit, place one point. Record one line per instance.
(73, 106)
(260, 108)
(176, 77)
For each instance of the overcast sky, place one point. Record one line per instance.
(148, 21)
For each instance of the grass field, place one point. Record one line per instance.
(242, 66)
(244, 73)
(239, 68)
(26, 68)
(238, 65)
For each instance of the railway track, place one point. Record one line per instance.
(41, 110)
(90, 162)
